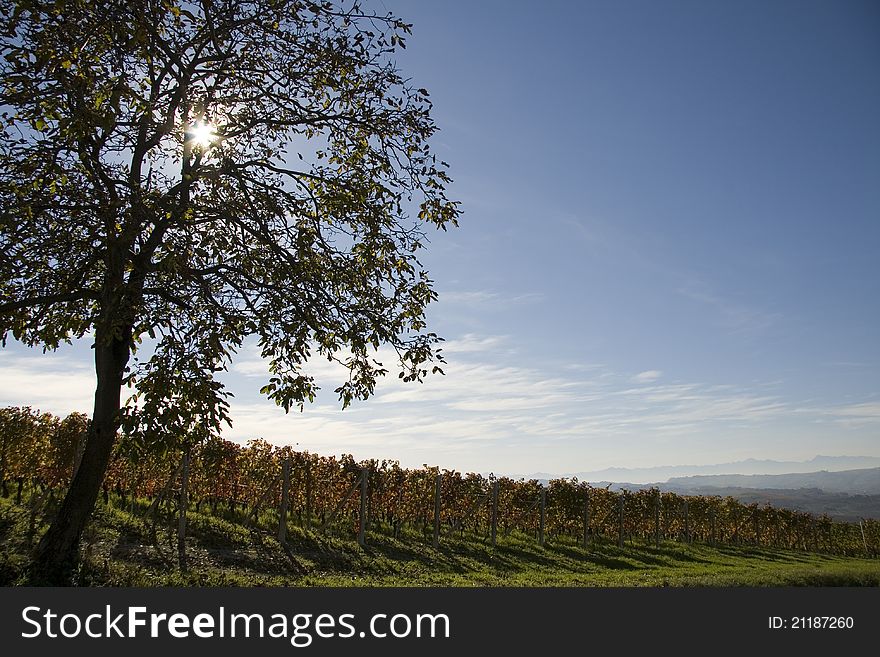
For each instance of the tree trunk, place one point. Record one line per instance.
(57, 554)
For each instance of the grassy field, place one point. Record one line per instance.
(119, 551)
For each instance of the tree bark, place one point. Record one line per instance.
(57, 555)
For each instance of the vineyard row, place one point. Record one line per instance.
(324, 492)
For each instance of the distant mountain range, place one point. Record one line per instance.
(747, 467)
(840, 506)
(852, 482)
(848, 495)
(843, 487)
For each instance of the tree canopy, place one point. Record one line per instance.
(288, 221)
(190, 174)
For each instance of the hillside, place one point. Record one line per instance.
(240, 498)
(120, 551)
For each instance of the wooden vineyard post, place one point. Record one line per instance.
(438, 481)
(285, 502)
(253, 515)
(494, 511)
(657, 520)
(864, 541)
(543, 510)
(308, 474)
(362, 525)
(712, 521)
(181, 521)
(757, 523)
(586, 517)
(154, 505)
(620, 520)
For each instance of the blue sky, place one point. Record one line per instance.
(668, 253)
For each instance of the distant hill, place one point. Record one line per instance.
(849, 495)
(839, 506)
(853, 482)
(746, 467)
(846, 495)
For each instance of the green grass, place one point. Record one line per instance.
(118, 551)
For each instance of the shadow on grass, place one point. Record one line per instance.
(220, 552)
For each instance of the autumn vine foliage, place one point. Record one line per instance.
(240, 480)
(38, 447)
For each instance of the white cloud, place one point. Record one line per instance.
(465, 297)
(251, 367)
(647, 376)
(490, 411)
(51, 382)
(856, 414)
(249, 363)
(470, 343)
(488, 298)
(485, 405)
(866, 410)
(527, 297)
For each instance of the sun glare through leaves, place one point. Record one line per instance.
(202, 134)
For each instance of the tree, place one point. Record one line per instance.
(180, 176)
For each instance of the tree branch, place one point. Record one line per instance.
(48, 298)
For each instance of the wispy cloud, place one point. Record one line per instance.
(849, 364)
(647, 376)
(473, 343)
(465, 297)
(856, 414)
(489, 409)
(502, 411)
(486, 401)
(490, 298)
(734, 316)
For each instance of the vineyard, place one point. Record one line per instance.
(345, 497)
